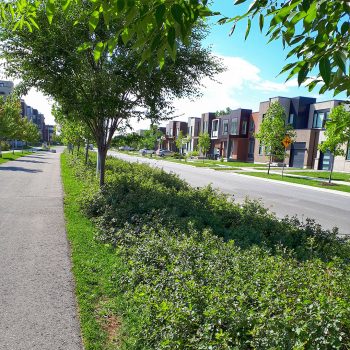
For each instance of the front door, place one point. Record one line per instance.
(325, 161)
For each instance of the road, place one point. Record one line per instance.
(327, 208)
(37, 300)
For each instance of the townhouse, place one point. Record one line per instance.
(233, 135)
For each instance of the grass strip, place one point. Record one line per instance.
(312, 183)
(323, 175)
(6, 157)
(93, 265)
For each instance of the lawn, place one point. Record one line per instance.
(307, 182)
(6, 157)
(323, 175)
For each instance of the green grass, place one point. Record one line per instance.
(93, 265)
(6, 157)
(323, 175)
(286, 178)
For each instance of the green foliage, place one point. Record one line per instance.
(204, 143)
(337, 131)
(273, 129)
(222, 112)
(264, 284)
(132, 140)
(316, 32)
(151, 137)
(181, 141)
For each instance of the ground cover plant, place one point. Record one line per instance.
(184, 268)
(301, 181)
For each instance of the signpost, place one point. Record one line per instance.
(286, 142)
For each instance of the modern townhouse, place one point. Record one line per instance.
(173, 129)
(194, 127)
(205, 127)
(308, 118)
(230, 135)
(6, 87)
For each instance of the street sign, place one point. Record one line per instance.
(286, 141)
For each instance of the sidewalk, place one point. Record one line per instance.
(37, 300)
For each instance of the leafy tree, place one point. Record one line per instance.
(273, 130)
(337, 134)
(226, 111)
(10, 114)
(152, 24)
(317, 32)
(150, 137)
(204, 143)
(106, 94)
(181, 141)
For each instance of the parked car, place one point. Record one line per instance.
(164, 153)
(145, 151)
(126, 148)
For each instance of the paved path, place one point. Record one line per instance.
(329, 208)
(37, 302)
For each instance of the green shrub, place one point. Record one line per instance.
(5, 146)
(202, 272)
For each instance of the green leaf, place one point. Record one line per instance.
(120, 5)
(325, 69)
(249, 24)
(66, 5)
(50, 9)
(171, 37)
(237, 2)
(98, 51)
(303, 74)
(159, 14)
(176, 12)
(340, 60)
(261, 21)
(93, 20)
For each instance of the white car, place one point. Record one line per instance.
(126, 148)
(164, 153)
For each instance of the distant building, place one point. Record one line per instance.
(6, 87)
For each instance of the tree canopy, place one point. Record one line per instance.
(107, 93)
(315, 31)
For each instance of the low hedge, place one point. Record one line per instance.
(202, 272)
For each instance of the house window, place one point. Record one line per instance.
(2, 84)
(215, 128)
(291, 119)
(234, 126)
(319, 120)
(205, 126)
(261, 149)
(225, 127)
(244, 127)
(251, 126)
(263, 116)
(348, 152)
(251, 148)
(171, 131)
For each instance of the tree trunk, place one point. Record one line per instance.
(13, 147)
(0, 150)
(268, 170)
(78, 147)
(87, 152)
(101, 164)
(331, 172)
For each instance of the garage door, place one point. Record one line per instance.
(298, 155)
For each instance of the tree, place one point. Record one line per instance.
(10, 114)
(273, 130)
(149, 24)
(204, 143)
(222, 112)
(317, 32)
(107, 93)
(337, 134)
(181, 141)
(151, 137)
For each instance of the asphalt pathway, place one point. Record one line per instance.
(37, 301)
(328, 208)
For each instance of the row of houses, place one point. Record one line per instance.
(232, 135)
(46, 131)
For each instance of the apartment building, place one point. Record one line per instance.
(172, 131)
(6, 87)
